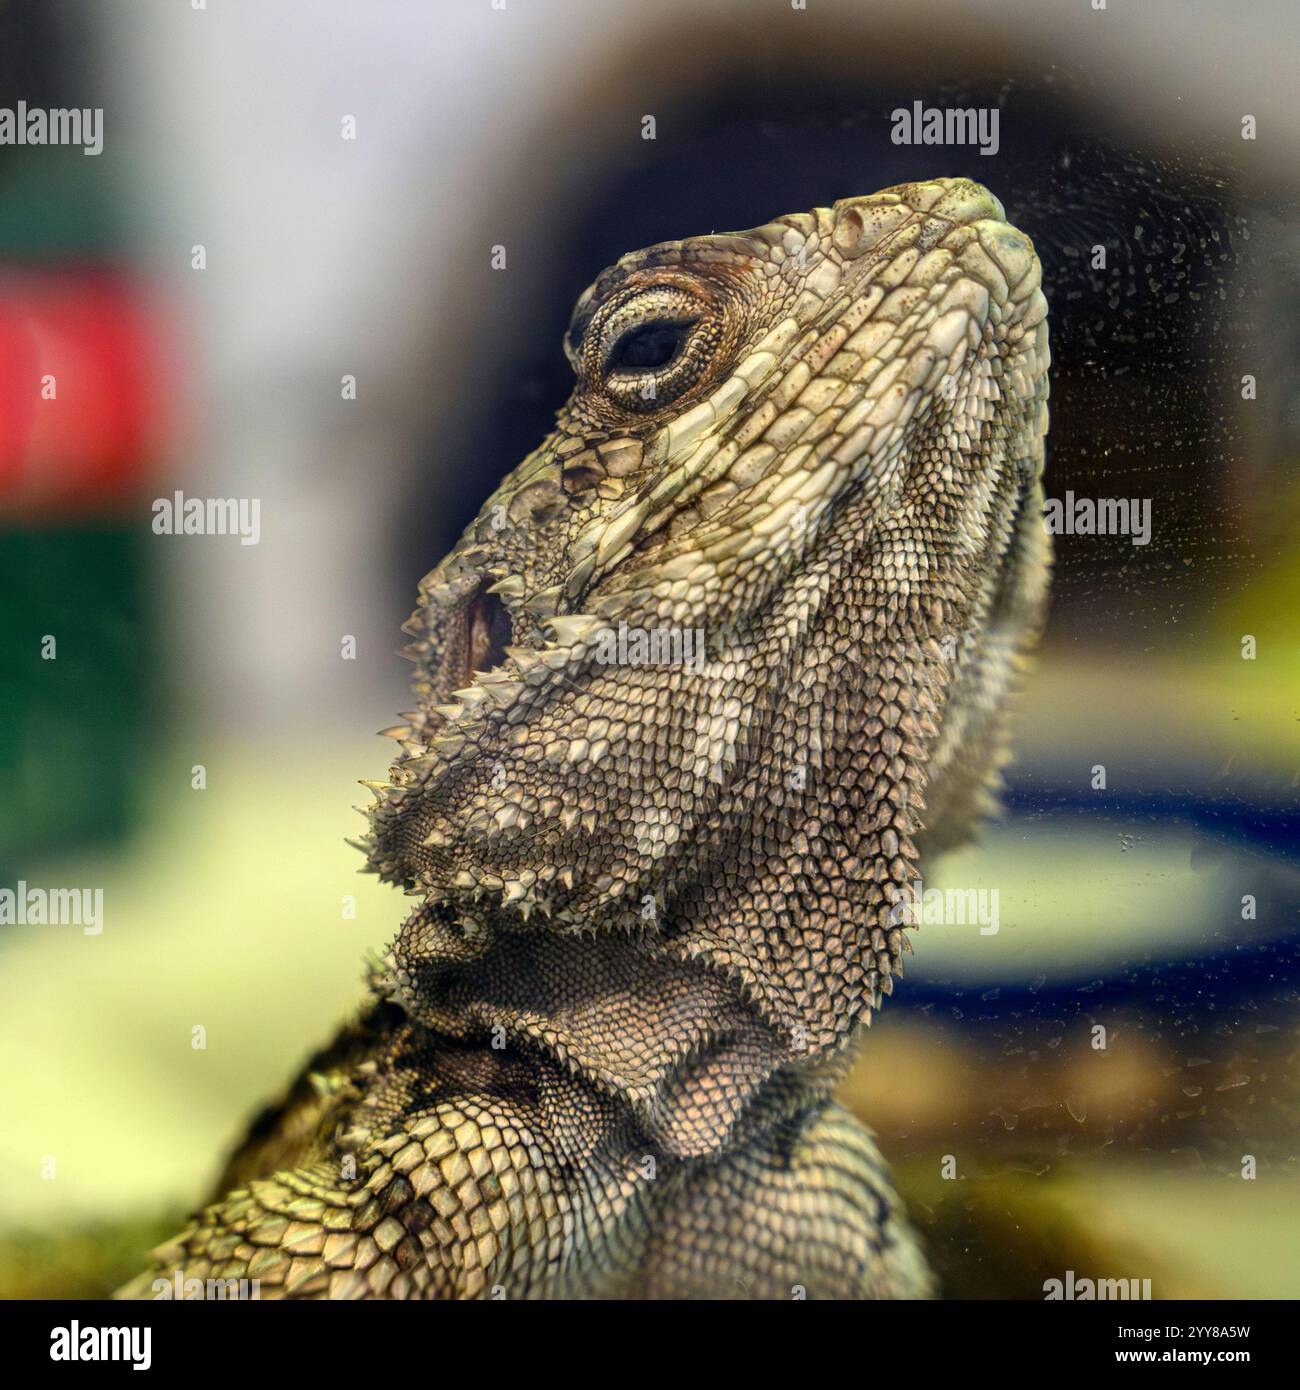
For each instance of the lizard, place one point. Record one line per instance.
(710, 672)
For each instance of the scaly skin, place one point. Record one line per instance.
(657, 903)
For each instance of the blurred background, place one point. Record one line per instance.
(290, 197)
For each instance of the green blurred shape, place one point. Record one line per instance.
(56, 203)
(72, 728)
(86, 1262)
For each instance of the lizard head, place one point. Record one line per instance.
(738, 631)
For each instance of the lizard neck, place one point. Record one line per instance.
(671, 1040)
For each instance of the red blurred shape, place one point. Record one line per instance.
(85, 394)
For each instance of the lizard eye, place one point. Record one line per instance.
(649, 347)
(654, 345)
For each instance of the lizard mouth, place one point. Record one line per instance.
(487, 634)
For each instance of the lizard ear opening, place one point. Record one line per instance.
(487, 633)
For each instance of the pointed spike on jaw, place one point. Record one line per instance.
(523, 657)
(580, 576)
(504, 693)
(544, 602)
(572, 627)
(616, 539)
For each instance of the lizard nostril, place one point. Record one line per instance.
(487, 633)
